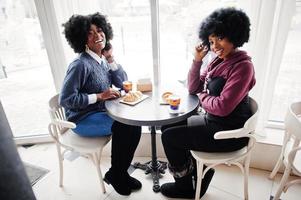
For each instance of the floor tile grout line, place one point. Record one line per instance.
(239, 197)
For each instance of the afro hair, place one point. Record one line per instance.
(227, 23)
(76, 30)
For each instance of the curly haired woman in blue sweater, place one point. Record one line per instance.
(87, 85)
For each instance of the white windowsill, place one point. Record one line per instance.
(272, 137)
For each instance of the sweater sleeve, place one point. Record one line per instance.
(239, 83)
(196, 79)
(118, 76)
(71, 96)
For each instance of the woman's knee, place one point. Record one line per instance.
(169, 136)
(137, 129)
(165, 137)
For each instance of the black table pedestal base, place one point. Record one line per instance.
(153, 167)
(156, 171)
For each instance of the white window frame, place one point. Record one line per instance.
(53, 42)
(154, 5)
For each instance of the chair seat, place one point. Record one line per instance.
(83, 144)
(219, 157)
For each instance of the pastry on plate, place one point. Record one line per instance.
(132, 96)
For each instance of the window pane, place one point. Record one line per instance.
(288, 84)
(131, 27)
(179, 23)
(25, 78)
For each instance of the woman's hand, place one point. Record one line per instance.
(108, 94)
(200, 52)
(108, 54)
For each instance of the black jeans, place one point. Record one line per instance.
(125, 139)
(178, 139)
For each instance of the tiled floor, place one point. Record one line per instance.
(80, 180)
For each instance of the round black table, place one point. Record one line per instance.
(151, 113)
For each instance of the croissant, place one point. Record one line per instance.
(132, 96)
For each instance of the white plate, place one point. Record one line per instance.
(134, 102)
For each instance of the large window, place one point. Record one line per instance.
(25, 78)
(131, 27)
(179, 23)
(288, 83)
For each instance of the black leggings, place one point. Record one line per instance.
(178, 139)
(125, 139)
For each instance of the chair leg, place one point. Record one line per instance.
(283, 182)
(61, 159)
(276, 168)
(96, 159)
(281, 157)
(246, 177)
(297, 181)
(199, 181)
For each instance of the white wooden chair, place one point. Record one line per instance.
(66, 140)
(241, 157)
(290, 155)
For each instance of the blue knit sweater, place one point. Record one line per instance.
(86, 76)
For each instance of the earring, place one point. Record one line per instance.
(87, 48)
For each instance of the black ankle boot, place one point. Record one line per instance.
(170, 190)
(119, 183)
(206, 181)
(133, 183)
(181, 188)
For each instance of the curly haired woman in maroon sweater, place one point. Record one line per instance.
(222, 89)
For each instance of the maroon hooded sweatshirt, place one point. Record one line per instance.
(238, 74)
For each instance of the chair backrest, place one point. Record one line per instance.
(250, 124)
(292, 120)
(57, 112)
